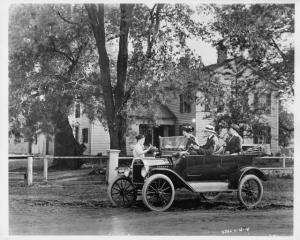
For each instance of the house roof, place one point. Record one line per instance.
(213, 67)
(158, 110)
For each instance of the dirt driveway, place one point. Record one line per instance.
(74, 203)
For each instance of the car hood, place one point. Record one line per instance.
(156, 161)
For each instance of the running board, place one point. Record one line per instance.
(209, 186)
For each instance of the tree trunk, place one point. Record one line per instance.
(66, 145)
(114, 101)
(118, 135)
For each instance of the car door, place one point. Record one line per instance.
(212, 168)
(194, 167)
(203, 168)
(229, 165)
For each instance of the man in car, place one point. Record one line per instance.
(211, 145)
(234, 142)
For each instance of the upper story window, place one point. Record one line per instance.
(214, 103)
(262, 102)
(185, 104)
(77, 110)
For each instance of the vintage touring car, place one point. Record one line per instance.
(157, 178)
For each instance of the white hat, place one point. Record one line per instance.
(209, 128)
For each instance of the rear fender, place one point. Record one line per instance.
(237, 177)
(178, 181)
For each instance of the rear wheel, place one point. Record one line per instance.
(250, 191)
(122, 192)
(158, 192)
(211, 196)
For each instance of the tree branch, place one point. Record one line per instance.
(54, 49)
(274, 44)
(66, 20)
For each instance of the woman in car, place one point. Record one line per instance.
(139, 149)
(187, 131)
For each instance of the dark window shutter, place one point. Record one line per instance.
(268, 102)
(181, 103)
(85, 135)
(77, 110)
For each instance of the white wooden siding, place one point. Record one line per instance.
(100, 141)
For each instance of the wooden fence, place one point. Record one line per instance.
(261, 162)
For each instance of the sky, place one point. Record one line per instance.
(205, 50)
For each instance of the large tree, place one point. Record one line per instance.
(257, 37)
(65, 53)
(157, 36)
(48, 56)
(263, 33)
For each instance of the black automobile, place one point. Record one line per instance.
(157, 178)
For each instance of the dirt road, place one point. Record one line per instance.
(138, 221)
(79, 206)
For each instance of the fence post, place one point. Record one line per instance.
(113, 159)
(45, 169)
(283, 161)
(29, 171)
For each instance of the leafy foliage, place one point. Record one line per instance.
(286, 127)
(262, 32)
(260, 37)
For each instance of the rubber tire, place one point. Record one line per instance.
(211, 198)
(109, 189)
(147, 183)
(239, 192)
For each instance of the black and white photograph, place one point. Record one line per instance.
(170, 118)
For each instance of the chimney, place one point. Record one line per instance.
(221, 51)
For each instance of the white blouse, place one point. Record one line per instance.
(138, 151)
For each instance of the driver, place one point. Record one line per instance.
(187, 131)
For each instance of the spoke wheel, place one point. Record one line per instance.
(211, 196)
(122, 192)
(250, 191)
(158, 193)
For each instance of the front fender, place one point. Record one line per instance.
(237, 177)
(178, 181)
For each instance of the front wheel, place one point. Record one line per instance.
(122, 192)
(250, 191)
(158, 193)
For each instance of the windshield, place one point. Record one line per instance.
(172, 143)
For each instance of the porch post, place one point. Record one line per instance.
(45, 168)
(113, 159)
(29, 171)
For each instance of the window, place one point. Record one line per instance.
(261, 134)
(185, 104)
(77, 110)
(214, 103)
(85, 135)
(262, 102)
(77, 133)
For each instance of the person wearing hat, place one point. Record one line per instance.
(187, 131)
(234, 142)
(211, 145)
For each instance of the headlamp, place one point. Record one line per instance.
(145, 171)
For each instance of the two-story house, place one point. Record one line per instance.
(178, 111)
